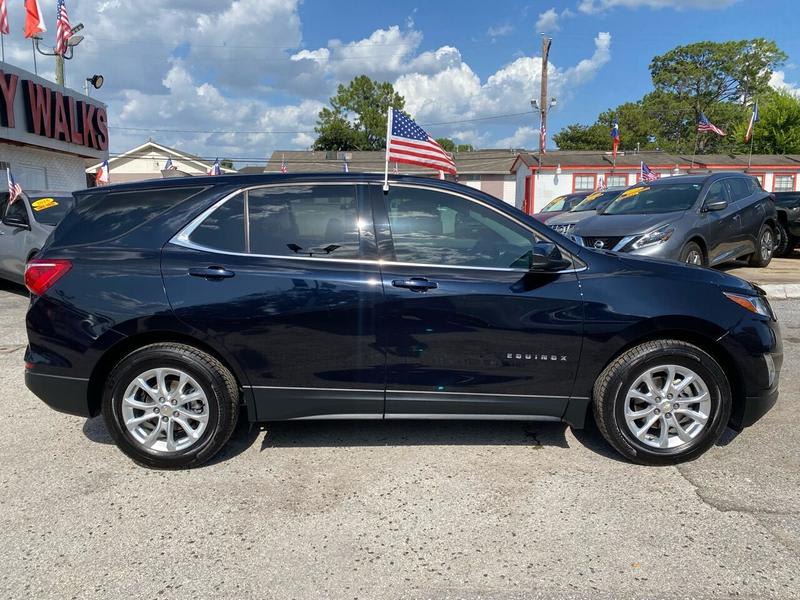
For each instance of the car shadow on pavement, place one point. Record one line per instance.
(13, 288)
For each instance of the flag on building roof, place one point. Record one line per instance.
(408, 143)
(753, 121)
(4, 29)
(601, 184)
(646, 173)
(34, 23)
(615, 137)
(283, 164)
(396, 171)
(63, 28)
(215, 169)
(14, 189)
(168, 166)
(102, 176)
(703, 124)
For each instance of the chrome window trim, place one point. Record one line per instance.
(182, 237)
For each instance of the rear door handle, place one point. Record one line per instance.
(211, 272)
(415, 284)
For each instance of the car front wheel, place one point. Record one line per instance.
(692, 254)
(170, 406)
(662, 402)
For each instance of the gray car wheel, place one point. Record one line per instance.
(692, 254)
(765, 246)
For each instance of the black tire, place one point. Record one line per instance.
(691, 250)
(611, 388)
(216, 381)
(785, 241)
(760, 258)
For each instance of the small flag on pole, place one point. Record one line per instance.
(753, 121)
(543, 139)
(410, 144)
(345, 166)
(646, 173)
(703, 124)
(396, 171)
(63, 28)
(14, 189)
(4, 29)
(601, 185)
(615, 137)
(215, 168)
(168, 166)
(33, 19)
(102, 177)
(283, 164)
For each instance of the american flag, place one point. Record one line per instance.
(615, 137)
(703, 124)
(345, 166)
(14, 189)
(543, 139)
(4, 18)
(647, 173)
(408, 143)
(283, 164)
(601, 185)
(168, 166)
(215, 168)
(63, 28)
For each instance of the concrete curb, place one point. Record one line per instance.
(781, 291)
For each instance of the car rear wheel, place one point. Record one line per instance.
(784, 241)
(662, 402)
(765, 246)
(692, 254)
(170, 406)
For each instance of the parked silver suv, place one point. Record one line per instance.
(698, 219)
(25, 225)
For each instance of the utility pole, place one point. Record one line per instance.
(59, 70)
(546, 41)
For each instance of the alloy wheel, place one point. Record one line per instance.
(165, 410)
(694, 258)
(767, 245)
(667, 406)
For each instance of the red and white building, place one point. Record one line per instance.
(539, 179)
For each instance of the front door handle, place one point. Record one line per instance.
(415, 284)
(211, 272)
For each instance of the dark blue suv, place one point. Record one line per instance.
(173, 307)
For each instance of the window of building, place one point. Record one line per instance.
(435, 228)
(617, 180)
(783, 183)
(583, 182)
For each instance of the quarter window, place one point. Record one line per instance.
(738, 188)
(784, 183)
(224, 228)
(430, 227)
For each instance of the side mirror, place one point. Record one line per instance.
(547, 257)
(716, 205)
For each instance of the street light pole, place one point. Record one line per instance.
(73, 41)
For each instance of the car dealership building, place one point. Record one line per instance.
(47, 132)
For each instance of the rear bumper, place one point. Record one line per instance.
(64, 394)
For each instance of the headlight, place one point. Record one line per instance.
(658, 236)
(755, 304)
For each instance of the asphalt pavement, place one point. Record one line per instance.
(394, 509)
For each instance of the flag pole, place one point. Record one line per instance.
(2, 47)
(752, 135)
(694, 153)
(389, 116)
(33, 47)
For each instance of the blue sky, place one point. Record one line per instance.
(241, 78)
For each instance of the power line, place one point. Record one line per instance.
(310, 132)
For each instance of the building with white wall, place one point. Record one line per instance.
(148, 160)
(539, 179)
(485, 170)
(47, 131)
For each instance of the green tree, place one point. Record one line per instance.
(636, 128)
(450, 146)
(778, 128)
(356, 119)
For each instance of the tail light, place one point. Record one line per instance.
(41, 274)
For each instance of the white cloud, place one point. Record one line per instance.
(496, 31)
(598, 6)
(778, 81)
(524, 137)
(547, 21)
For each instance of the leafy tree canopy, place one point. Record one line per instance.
(450, 146)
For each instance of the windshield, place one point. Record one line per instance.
(556, 204)
(596, 200)
(49, 210)
(645, 200)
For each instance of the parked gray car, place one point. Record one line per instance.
(699, 219)
(565, 222)
(24, 227)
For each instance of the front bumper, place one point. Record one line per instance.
(65, 394)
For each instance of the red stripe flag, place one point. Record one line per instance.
(408, 143)
(33, 19)
(63, 28)
(4, 18)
